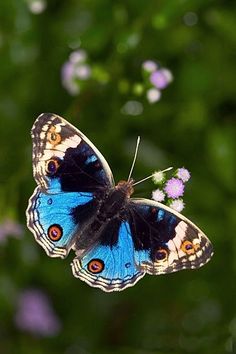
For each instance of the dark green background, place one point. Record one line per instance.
(192, 126)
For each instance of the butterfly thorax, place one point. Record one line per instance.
(115, 200)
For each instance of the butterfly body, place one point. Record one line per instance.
(76, 205)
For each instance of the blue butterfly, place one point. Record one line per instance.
(76, 205)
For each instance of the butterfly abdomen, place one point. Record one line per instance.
(104, 226)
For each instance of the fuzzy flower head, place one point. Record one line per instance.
(158, 195)
(161, 78)
(153, 95)
(183, 174)
(174, 188)
(177, 205)
(75, 71)
(158, 177)
(149, 66)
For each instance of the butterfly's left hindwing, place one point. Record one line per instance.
(71, 175)
(54, 221)
(164, 240)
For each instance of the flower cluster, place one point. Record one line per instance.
(157, 79)
(75, 72)
(171, 190)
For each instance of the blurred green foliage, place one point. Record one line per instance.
(193, 126)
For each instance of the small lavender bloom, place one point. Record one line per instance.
(174, 188)
(183, 173)
(74, 71)
(83, 72)
(67, 71)
(149, 66)
(153, 95)
(177, 205)
(168, 74)
(35, 314)
(160, 79)
(158, 177)
(10, 228)
(78, 56)
(68, 78)
(158, 195)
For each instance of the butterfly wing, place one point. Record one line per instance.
(110, 265)
(71, 175)
(164, 240)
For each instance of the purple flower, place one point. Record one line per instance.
(10, 228)
(183, 174)
(74, 71)
(67, 77)
(161, 78)
(174, 188)
(35, 314)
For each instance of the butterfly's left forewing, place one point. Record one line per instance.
(71, 175)
(164, 240)
(62, 152)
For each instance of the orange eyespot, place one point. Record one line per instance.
(96, 266)
(188, 247)
(161, 255)
(53, 137)
(55, 232)
(52, 166)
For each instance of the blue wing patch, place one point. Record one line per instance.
(50, 218)
(110, 268)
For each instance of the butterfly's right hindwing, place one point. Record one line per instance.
(164, 240)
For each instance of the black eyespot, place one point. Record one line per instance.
(53, 136)
(52, 166)
(161, 254)
(188, 247)
(96, 266)
(49, 201)
(127, 265)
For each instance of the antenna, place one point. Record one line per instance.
(144, 179)
(135, 157)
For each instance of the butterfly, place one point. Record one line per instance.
(77, 206)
